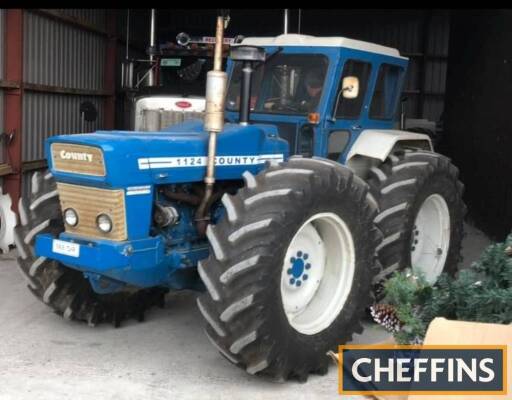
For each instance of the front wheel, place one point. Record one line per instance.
(66, 290)
(290, 271)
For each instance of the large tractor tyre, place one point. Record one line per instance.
(290, 271)
(66, 290)
(421, 214)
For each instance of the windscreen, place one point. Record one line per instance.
(284, 84)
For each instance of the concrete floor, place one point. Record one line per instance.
(167, 357)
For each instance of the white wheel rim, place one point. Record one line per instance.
(317, 273)
(431, 238)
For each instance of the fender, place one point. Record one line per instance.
(378, 143)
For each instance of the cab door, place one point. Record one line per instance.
(348, 113)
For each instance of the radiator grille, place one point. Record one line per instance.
(89, 203)
(78, 159)
(155, 120)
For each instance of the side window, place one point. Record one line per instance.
(386, 93)
(337, 142)
(351, 108)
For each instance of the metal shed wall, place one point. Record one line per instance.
(60, 57)
(47, 114)
(63, 58)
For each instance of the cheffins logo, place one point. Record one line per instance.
(72, 155)
(429, 369)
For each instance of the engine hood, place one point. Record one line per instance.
(174, 155)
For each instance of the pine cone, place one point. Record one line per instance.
(385, 315)
(508, 251)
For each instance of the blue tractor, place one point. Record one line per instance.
(286, 206)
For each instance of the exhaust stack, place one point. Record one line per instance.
(216, 82)
(152, 48)
(247, 55)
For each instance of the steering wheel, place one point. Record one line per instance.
(294, 107)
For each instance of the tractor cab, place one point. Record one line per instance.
(319, 92)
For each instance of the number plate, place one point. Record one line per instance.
(66, 248)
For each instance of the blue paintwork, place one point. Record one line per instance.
(299, 265)
(153, 257)
(144, 263)
(122, 149)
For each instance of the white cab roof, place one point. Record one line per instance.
(333, 41)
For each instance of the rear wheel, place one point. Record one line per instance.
(290, 271)
(421, 213)
(66, 290)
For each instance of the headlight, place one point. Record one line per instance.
(104, 223)
(70, 217)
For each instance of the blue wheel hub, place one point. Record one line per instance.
(298, 268)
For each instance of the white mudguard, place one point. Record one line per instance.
(378, 143)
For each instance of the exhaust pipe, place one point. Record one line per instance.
(152, 41)
(216, 82)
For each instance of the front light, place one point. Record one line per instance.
(104, 223)
(70, 217)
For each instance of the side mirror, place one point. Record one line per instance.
(349, 90)
(350, 87)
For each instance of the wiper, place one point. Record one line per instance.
(272, 55)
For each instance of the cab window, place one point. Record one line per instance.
(351, 108)
(386, 93)
(286, 84)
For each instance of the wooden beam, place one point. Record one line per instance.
(33, 87)
(5, 169)
(33, 165)
(4, 84)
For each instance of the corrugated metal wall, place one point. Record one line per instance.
(436, 63)
(423, 38)
(64, 56)
(61, 55)
(47, 114)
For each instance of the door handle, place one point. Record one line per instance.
(357, 127)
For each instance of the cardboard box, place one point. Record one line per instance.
(445, 332)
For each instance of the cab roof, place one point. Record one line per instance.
(332, 41)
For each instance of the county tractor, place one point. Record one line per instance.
(284, 207)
